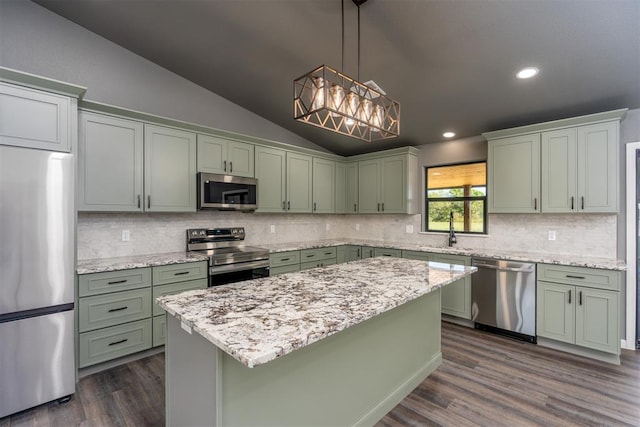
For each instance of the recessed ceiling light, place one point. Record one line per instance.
(448, 134)
(527, 73)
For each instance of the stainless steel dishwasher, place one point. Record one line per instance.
(503, 297)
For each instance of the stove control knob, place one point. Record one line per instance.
(202, 233)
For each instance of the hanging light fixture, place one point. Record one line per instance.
(331, 100)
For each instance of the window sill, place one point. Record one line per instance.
(458, 233)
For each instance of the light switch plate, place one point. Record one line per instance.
(409, 228)
(273, 228)
(125, 235)
(552, 235)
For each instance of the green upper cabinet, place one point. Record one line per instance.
(35, 118)
(340, 198)
(271, 172)
(110, 163)
(598, 153)
(170, 169)
(579, 169)
(514, 174)
(351, 188)
(299, 182)
(369, 176)
(559, 170)
(284, 180)
(387, 182)
(223, 156)
(324, 185)
(569, 165)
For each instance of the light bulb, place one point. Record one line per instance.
(317, 93)
(352, 106)
(378, 118)
(336, 100)
(366, 112)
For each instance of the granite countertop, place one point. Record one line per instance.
(260, 320)
(569, 260)
(137, 261)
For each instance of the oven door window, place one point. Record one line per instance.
(238, 276)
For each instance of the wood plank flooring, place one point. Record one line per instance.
(485, 380)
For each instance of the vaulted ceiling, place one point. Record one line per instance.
(450, 64)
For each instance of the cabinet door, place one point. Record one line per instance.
(170, 170)
(299, 183)
(514, 174)
(271, 174)
(555, 307)
(598, 153)
(241, 159)
(212, 154)
(456, 297)
(394, 185)
(110, 163)
(353, 253)
(340, 188)
(558, 169)
(367, 252)
(351, 188)
(35, 119)
(324, 188)
(369, 174)
(597, 314)
(418, 255)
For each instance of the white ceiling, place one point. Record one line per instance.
(450, 63)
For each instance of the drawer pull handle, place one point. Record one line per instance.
(571, 202)
(118, 309)
(181, 273)
(118, 342)
(285, 259)
(569, 296)
(311, 255)
(582, 202)
(117, 282)
(138, 201)
(328, 253)
(575, 277)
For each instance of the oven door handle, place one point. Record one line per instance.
(230, 268)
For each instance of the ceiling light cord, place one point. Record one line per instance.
(358, 42)
(342, 69)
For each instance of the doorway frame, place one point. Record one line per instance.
(629, 340)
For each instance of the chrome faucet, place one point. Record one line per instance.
(452, 233)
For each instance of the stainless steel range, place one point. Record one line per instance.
(229, 260)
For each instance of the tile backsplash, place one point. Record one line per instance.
(100, 234)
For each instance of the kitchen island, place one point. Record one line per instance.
(339, 345)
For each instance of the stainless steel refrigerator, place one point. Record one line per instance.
(37, 220)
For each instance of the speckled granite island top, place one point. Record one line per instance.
(260, 320)
(136, 261)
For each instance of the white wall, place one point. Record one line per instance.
(37, 41)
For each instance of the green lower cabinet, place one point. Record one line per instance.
(117, 341)
(159, 330)
(174, 288)
(578, 315)
(274, 271)
(368, 251)
(387, 252)
(284, 262)
(456, 297)
(320, 263)
(111, 309)
(421, 256)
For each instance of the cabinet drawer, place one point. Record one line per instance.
(284, 269)
(314, 264)
(113, 281)
(422, 256)
(387, 252)
(110, 343)
(307, 255)
(589, 277)
(284, 258)
(179, 272)
(159, 330)
(112, 309)
(174, 288)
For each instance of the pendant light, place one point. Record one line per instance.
(329, 99)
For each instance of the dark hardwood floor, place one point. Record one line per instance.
(485, 380)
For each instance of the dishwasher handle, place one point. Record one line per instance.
(497, 267)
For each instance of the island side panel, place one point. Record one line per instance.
(191, 377)
(351, 378)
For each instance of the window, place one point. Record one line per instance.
(461, 189)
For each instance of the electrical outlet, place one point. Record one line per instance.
(552, 235)
(328, 227)
(125, 235)
(273, 228)
(409, 228)
(357, 227)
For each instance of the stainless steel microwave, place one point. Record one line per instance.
(226, 192)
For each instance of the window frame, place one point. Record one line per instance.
(485, 199)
